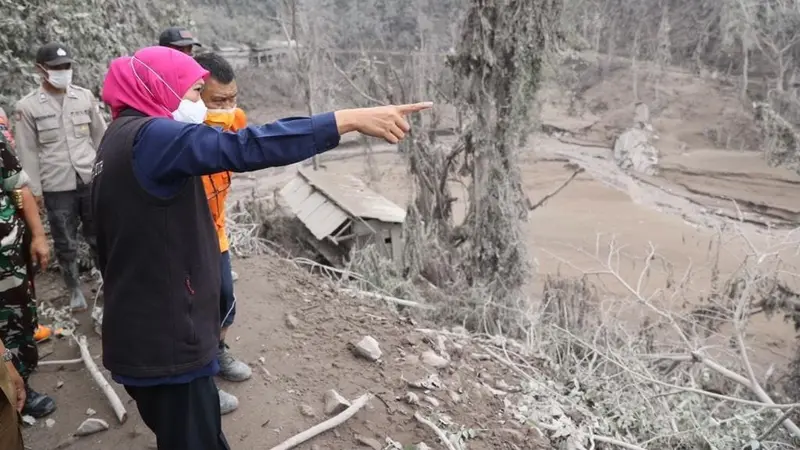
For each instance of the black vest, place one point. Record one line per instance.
(160, 264)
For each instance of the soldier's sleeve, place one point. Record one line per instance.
(98, 123)
(27, 147)
(11, 172)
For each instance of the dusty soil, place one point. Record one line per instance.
(684, 213)
(300, 363)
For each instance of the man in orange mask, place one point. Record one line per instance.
(219, 95)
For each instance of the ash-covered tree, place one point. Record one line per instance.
(96, 31)
(497, 69)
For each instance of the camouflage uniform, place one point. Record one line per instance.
(17, 307)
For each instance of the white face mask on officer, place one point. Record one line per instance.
(190, 112)
(59, 79)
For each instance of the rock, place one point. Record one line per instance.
(633, 151)
(441, 343)
(391, 444)
(431, 382)
(369, 442)
(430, 358)
(90, 412)
(291, 321)
(411, 339)
(334, 403)
(459, 330)
(411, 398)
(307, 411)
(432, 400)
(28, 420)
(502, 385)
(454, 397)
(422, 446)
(368, 348)
(50, 423)
(91, 426)
(412, 359)
(60, 384)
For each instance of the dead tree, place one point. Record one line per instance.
(497, 70)
(304, 29)
(499, 62)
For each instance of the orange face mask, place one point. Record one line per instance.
(229, 119)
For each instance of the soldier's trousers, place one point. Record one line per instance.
(65, 210)
(18, 321)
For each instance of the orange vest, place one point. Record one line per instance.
(217, 184)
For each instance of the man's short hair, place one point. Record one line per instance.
(219, 68)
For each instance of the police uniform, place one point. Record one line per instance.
(56, 137)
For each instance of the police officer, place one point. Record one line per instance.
(57, 128)
(178, 38)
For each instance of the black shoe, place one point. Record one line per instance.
(37, 405)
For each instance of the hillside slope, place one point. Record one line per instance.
(295, 330)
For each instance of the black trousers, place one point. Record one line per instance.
(182, 416)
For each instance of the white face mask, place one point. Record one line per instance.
(190, 112)
(60, 79)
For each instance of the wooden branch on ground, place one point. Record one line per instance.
(759, 391)
(583, 142)
(109, 392)
(60, 362)
(615, 442)
(395, 300)
(439, 433)
(320, 428)
(547, 197)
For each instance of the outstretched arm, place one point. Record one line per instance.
(167, 152)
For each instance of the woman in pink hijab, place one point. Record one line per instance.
(157, 245)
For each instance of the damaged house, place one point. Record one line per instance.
(342, 213)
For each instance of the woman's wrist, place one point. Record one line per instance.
(346, 122)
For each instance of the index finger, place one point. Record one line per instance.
(414, 107)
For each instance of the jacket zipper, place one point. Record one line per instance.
(189, 285)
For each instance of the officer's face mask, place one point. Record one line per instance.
(59, 79)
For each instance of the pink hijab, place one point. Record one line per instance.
(152, 81)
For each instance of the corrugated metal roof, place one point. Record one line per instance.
(321, 216)
(354, 197)
(324, 202)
